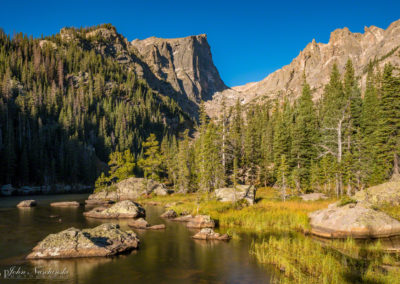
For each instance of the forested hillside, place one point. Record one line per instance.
(66, 105)
(341, 143)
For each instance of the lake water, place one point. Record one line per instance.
(165, 256)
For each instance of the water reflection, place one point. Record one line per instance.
(164, 256)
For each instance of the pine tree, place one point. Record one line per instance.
(152, 158)
(304, 137)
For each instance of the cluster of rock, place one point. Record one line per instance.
(128, 189)
(122, 209)
(240, 192)
(360, 219)
(144, 225)
(104, 240)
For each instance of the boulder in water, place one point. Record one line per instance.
(104, 240)
(201, 221)
(142, 224)
(209, 234)
(122, 209)
(169, 214)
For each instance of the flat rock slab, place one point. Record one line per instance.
(169, 214)
(209, 234)
(65, 204)
(313, 196)
(201, 221)
(122, 209)
(104, 240)
(353, 220)
(26, 203)
(143, 225)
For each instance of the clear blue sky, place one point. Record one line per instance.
(249, 39)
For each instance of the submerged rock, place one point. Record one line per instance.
(26, 203)
(241, 192)
(353, 220)
(131, 189)
(104, 240)
(169, 214)
(313, 196)
(65, 204)
(122, 209)
(201, 221)
(142, 224)
(209, 234)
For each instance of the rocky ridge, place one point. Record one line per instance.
(375, 45)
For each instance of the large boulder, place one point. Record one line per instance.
(353, 220)
(26, 203)
(313, 196)
(386, 193)
(209, 234)
(104, 240)
(142, 224)
(130, 189)
(122, 209)
(240, 192)
(201, 221)
(65, 204)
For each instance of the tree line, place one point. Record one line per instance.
(340, 143)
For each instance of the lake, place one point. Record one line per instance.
(166, 256)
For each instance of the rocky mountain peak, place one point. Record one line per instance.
(185, 63)
(316, 60)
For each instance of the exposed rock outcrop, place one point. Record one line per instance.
(209, 234)
(26, 203)
(65, 204)
(122, 209)
(201, 221)
(184, 218)
(143, 225)
(353, 220)
(241, 192)
(104, 240)
(129, 189)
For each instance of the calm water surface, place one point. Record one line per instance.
(166, 256)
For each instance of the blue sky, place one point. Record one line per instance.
(249, 39)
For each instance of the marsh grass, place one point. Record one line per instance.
(279, 239)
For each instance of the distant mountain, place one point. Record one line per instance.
(374, 45)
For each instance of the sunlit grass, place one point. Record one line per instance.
(300, 259)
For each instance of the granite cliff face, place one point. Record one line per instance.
(185, 63)
(316, 60)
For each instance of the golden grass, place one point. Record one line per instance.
(300, 259)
